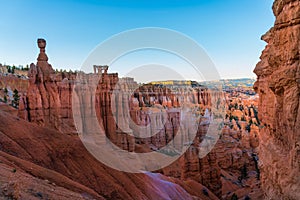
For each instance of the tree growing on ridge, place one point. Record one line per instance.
(5, 95)
(16, 96)
(8, 69)
(13, 69)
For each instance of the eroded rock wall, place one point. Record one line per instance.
(278, 85)
(48, 102)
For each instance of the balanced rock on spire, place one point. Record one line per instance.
(42, 60)
(42, 45)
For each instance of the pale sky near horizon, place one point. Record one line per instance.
(228, 30)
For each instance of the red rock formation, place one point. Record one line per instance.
(46, 155)
(47, 101)
(163, 120)
(278, 85)
(13, 82)
(114, 100)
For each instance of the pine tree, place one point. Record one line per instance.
(13, 69)
(8, 69)
(5, 95)
(16, 97)
(244, 172)
(234, 197)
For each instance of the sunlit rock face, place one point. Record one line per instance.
(278, 85)
(47, 100)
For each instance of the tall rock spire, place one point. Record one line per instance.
(42, 60)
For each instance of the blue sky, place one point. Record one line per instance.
(229, 30)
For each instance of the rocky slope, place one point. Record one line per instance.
(278, 85)
(59, 166)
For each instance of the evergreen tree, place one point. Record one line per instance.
(234, 197)
(244, 172)
(8, 69)
(236, 106)
(5, 95)
(16, 97)
(13, 69)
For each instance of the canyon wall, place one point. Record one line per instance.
(48, 103)
(278, 85)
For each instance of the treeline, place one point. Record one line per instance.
(11, 69)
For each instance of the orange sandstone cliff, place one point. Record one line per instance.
(278, 85)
